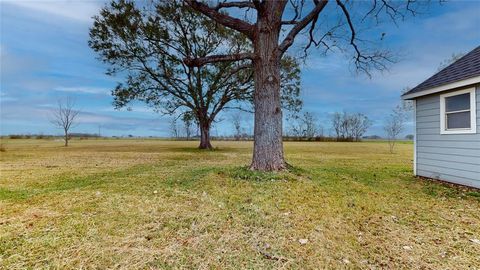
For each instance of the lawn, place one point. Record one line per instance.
(143, 204)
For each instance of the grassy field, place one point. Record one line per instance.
(148, 204)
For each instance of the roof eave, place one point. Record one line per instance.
(445, 87)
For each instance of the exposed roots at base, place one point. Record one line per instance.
(277, 168)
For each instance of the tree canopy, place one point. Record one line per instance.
(145, 44)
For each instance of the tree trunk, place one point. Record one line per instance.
(268, 145)
(66, 138)
(205, 136)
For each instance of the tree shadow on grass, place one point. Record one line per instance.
(292, 173)
(197, 150)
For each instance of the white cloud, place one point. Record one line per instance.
(84, 89)
(5, 98)
(460, 21)
(15, 64)
(332, 63)
(73, 10)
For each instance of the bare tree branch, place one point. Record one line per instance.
(224, 19)
(312, 16)
(364, 62)
(239, 4)
(289, 22)
(352, 28)
(257, 4)
(198, 62)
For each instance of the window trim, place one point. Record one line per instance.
(473, 113)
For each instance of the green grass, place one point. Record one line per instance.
(143, 204)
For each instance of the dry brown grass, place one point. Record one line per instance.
(133, 204)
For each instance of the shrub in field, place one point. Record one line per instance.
(394, 125)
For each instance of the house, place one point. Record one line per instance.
(447, 123)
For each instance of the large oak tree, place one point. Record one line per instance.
(272, 26)
(146, 44)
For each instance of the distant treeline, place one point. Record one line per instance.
(285, 138)
(85, 136)
(43, 136)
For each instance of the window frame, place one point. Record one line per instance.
(473, 113)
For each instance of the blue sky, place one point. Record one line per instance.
(45, 57)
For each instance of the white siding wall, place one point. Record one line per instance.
(454, 157)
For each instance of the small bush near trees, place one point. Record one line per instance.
(394, 125)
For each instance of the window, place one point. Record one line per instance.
(457, 112)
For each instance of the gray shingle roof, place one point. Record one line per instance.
(464, 68)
